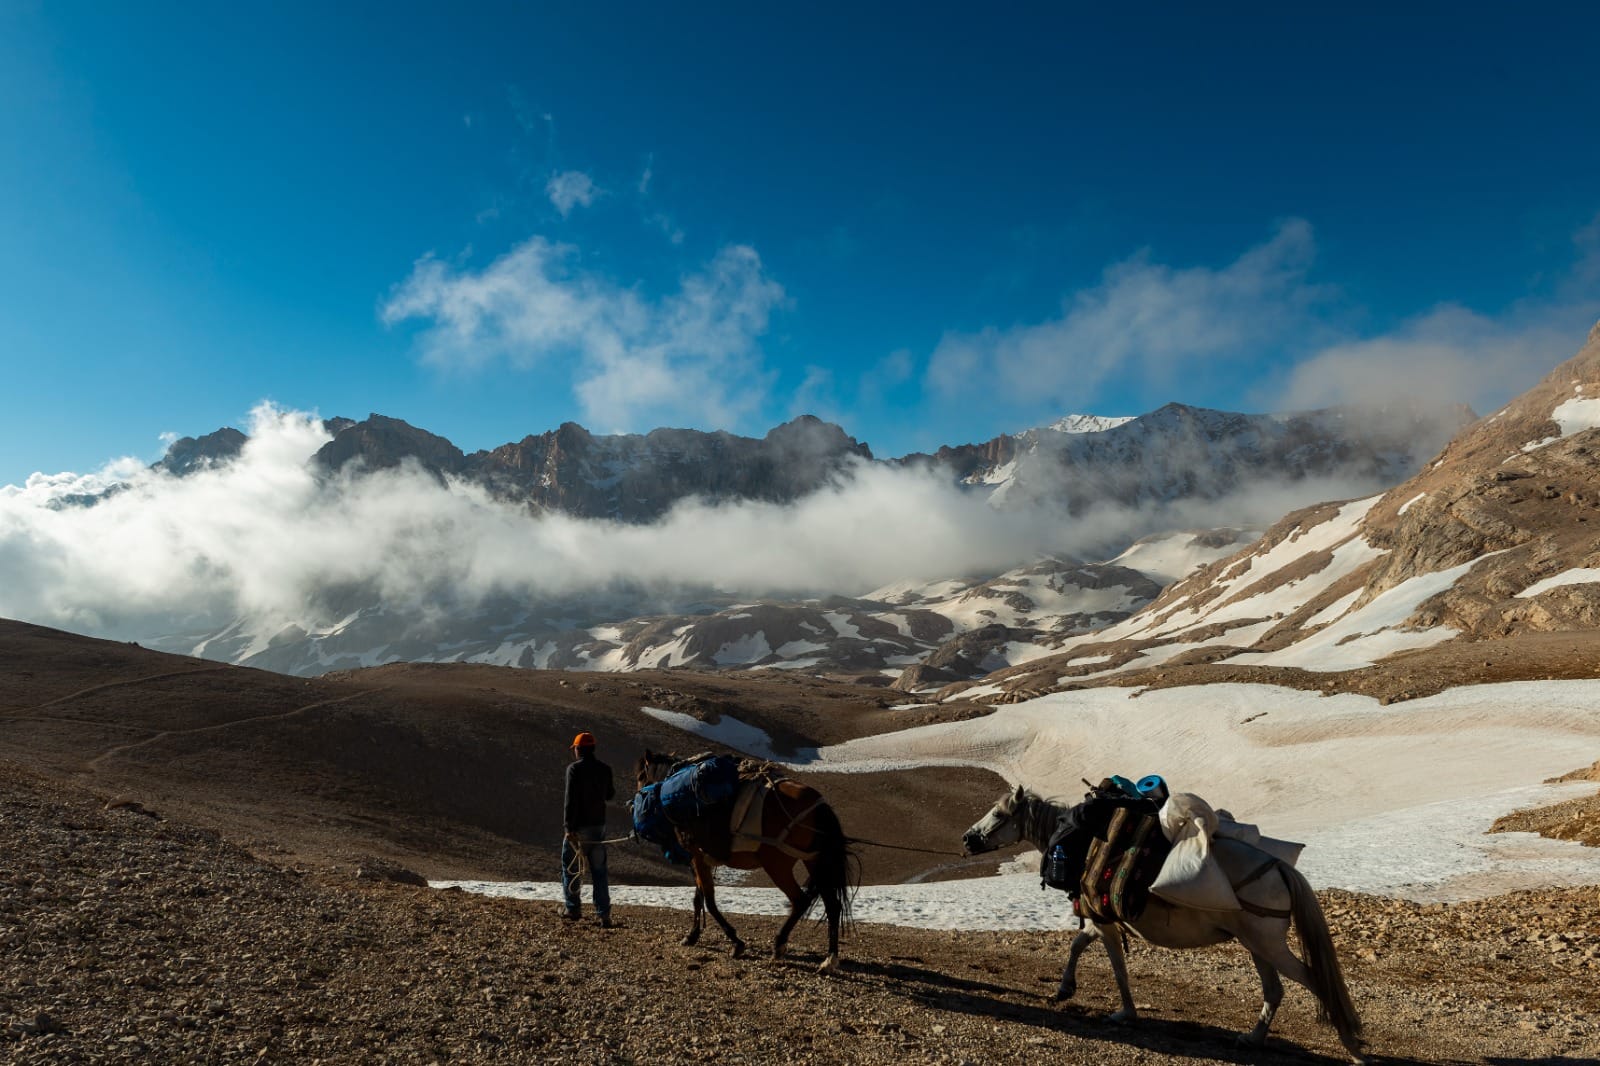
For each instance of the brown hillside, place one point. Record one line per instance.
(452, 770)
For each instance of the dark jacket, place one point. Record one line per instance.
(589, 786)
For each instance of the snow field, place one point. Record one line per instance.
(1390, 800)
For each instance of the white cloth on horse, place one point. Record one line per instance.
(1191, 877)
(1248, 833)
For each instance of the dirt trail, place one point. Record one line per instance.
(217, 727)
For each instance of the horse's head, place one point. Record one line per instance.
(1000, 828)
(652, 767)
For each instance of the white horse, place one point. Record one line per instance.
(1262, 926)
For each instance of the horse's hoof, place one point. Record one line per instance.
(691, 940)
(830, 965)
(1250, 1039)
(1122, 1017)
(738, 949)
(778, 948)
(1065, 992)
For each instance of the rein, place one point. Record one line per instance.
(902, 847)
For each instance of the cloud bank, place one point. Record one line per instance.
(265, 539)
(1484, 359)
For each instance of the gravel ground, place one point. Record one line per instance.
(125, 937)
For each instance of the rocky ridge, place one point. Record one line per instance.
(1179, 452)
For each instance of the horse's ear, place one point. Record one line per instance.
(1018, 793)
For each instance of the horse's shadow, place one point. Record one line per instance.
(948, 992)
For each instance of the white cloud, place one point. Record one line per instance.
(568, 189)
(1143, 319)
(690, 355)
(1454, 353)
(1447, 354)
(888, 373)
(814, 395)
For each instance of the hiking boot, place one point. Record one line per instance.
(605, 921)
(570, 916)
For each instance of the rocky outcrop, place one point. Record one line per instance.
(638, 478)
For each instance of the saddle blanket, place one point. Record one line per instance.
(745, 821)
(1121, 866)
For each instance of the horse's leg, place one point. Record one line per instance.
(699, 916)
(1119, 969)
(1273, 952)
(1069, 976)
(704, 879)
(1271, 997)
(800, 901)
(833, 904)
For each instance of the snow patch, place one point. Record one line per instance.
(730, 733)
(1576, 415)
(1577, 576)
(751, 648)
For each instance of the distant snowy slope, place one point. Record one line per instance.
(1088, 423)
(965, 627)
(1167, 557)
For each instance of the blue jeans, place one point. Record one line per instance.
(594, 854)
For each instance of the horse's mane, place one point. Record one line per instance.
(1039, 812)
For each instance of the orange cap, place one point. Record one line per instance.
(583, 740)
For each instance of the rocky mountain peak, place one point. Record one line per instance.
(1088, 423)
(380, 443)
(189, 454)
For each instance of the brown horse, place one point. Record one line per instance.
(797, 826)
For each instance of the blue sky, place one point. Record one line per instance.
(927, 222)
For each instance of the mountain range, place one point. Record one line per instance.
(914, 634)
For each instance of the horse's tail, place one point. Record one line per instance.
(837, 872)
(1316, 950)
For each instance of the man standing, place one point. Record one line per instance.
(583, 816)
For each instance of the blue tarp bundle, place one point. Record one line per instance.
(650, 823)
(694, 790)
(682, 799)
